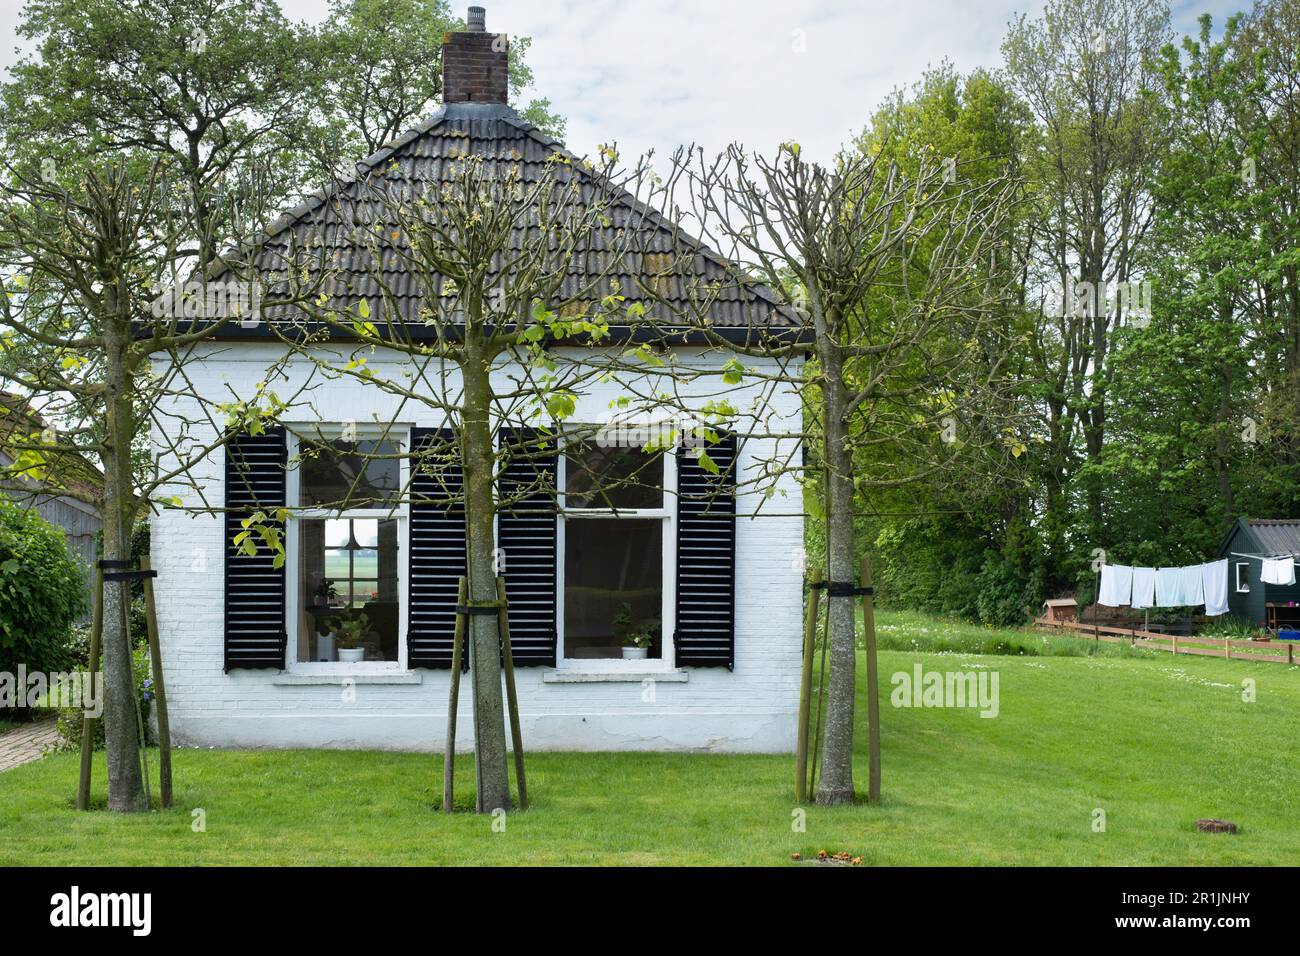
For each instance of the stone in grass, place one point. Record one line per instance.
(1216, 826)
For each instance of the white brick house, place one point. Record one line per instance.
(253, 653)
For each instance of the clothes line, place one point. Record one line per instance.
(1278, 569)
(1140, 588)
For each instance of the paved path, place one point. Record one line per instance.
(29, 742)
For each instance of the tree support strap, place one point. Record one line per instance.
(841, 588)
(129, 575)
(127, 571)
(481, 608)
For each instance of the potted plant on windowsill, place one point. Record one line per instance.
(637, 636)
(325, 595)
(637, 645)
(349, 631)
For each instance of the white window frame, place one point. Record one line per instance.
(667, 514)
(1240, 588)
(399, 434)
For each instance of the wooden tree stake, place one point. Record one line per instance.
(805, 687)
(873, 684)
(159, 691)
(88, 722)
(453, 698)
(512, 699)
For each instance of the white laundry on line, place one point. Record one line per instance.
(1144, 588)
(1116, 585)
(1278, 571)
(1214, 578)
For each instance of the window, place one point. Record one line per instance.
(345, 538)
(616, 582)
(1243, 577)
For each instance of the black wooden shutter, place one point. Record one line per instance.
(526, 537)
(706, 556)
(437, 554)
(255, 588)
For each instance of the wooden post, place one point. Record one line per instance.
(87, 722)
(1174, 637)
(1096, 603)
(453, 698)
(873, 684)
(818, 720)
(805, 687)
(1227, 649)
(125, 608)
(512, 700)
(159, 691)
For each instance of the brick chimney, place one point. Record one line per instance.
(474, 63)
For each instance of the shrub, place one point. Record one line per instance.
(42, 592)
(70, 718)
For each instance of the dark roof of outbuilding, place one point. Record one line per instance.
(1276, 536)
(1268, 537)
(425, 155)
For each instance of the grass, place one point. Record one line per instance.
(8, 725)
(1154, 742)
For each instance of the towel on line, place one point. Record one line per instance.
(1214, 578)
(1144, 588)
(1116, 585)
(1168, 587)
(1278, 571)
(1192, 586)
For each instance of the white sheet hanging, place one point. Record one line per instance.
(1168, 587)
(1116, 585)
(1192, 586)
(1278, 571)
(1144, 588)
(1214, 580)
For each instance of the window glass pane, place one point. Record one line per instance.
(347, 596)
(613, 585)
(344, 474)
(608, 477)
(338, 533)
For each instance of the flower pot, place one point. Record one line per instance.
(635, 653)
(350, 655)
(325, 648)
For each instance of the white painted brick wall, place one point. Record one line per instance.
(750, 709)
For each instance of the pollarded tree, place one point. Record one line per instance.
(88, 296)
(894, 275)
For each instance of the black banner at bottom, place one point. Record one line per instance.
(216, 906)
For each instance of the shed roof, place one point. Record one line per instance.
(1269, 537)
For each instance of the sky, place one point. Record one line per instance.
(655, 74)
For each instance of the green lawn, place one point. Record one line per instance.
(1155, 742)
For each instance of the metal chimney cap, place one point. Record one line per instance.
(476, 22)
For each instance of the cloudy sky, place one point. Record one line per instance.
(658, 73)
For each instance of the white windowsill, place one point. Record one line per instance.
(354, 677)
(569, 675)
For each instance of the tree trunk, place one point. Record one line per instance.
(836, 783)
(484, 639)
(121, 729)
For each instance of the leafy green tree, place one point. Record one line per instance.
(1085, 69)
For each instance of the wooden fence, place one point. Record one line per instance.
(1273, 652)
